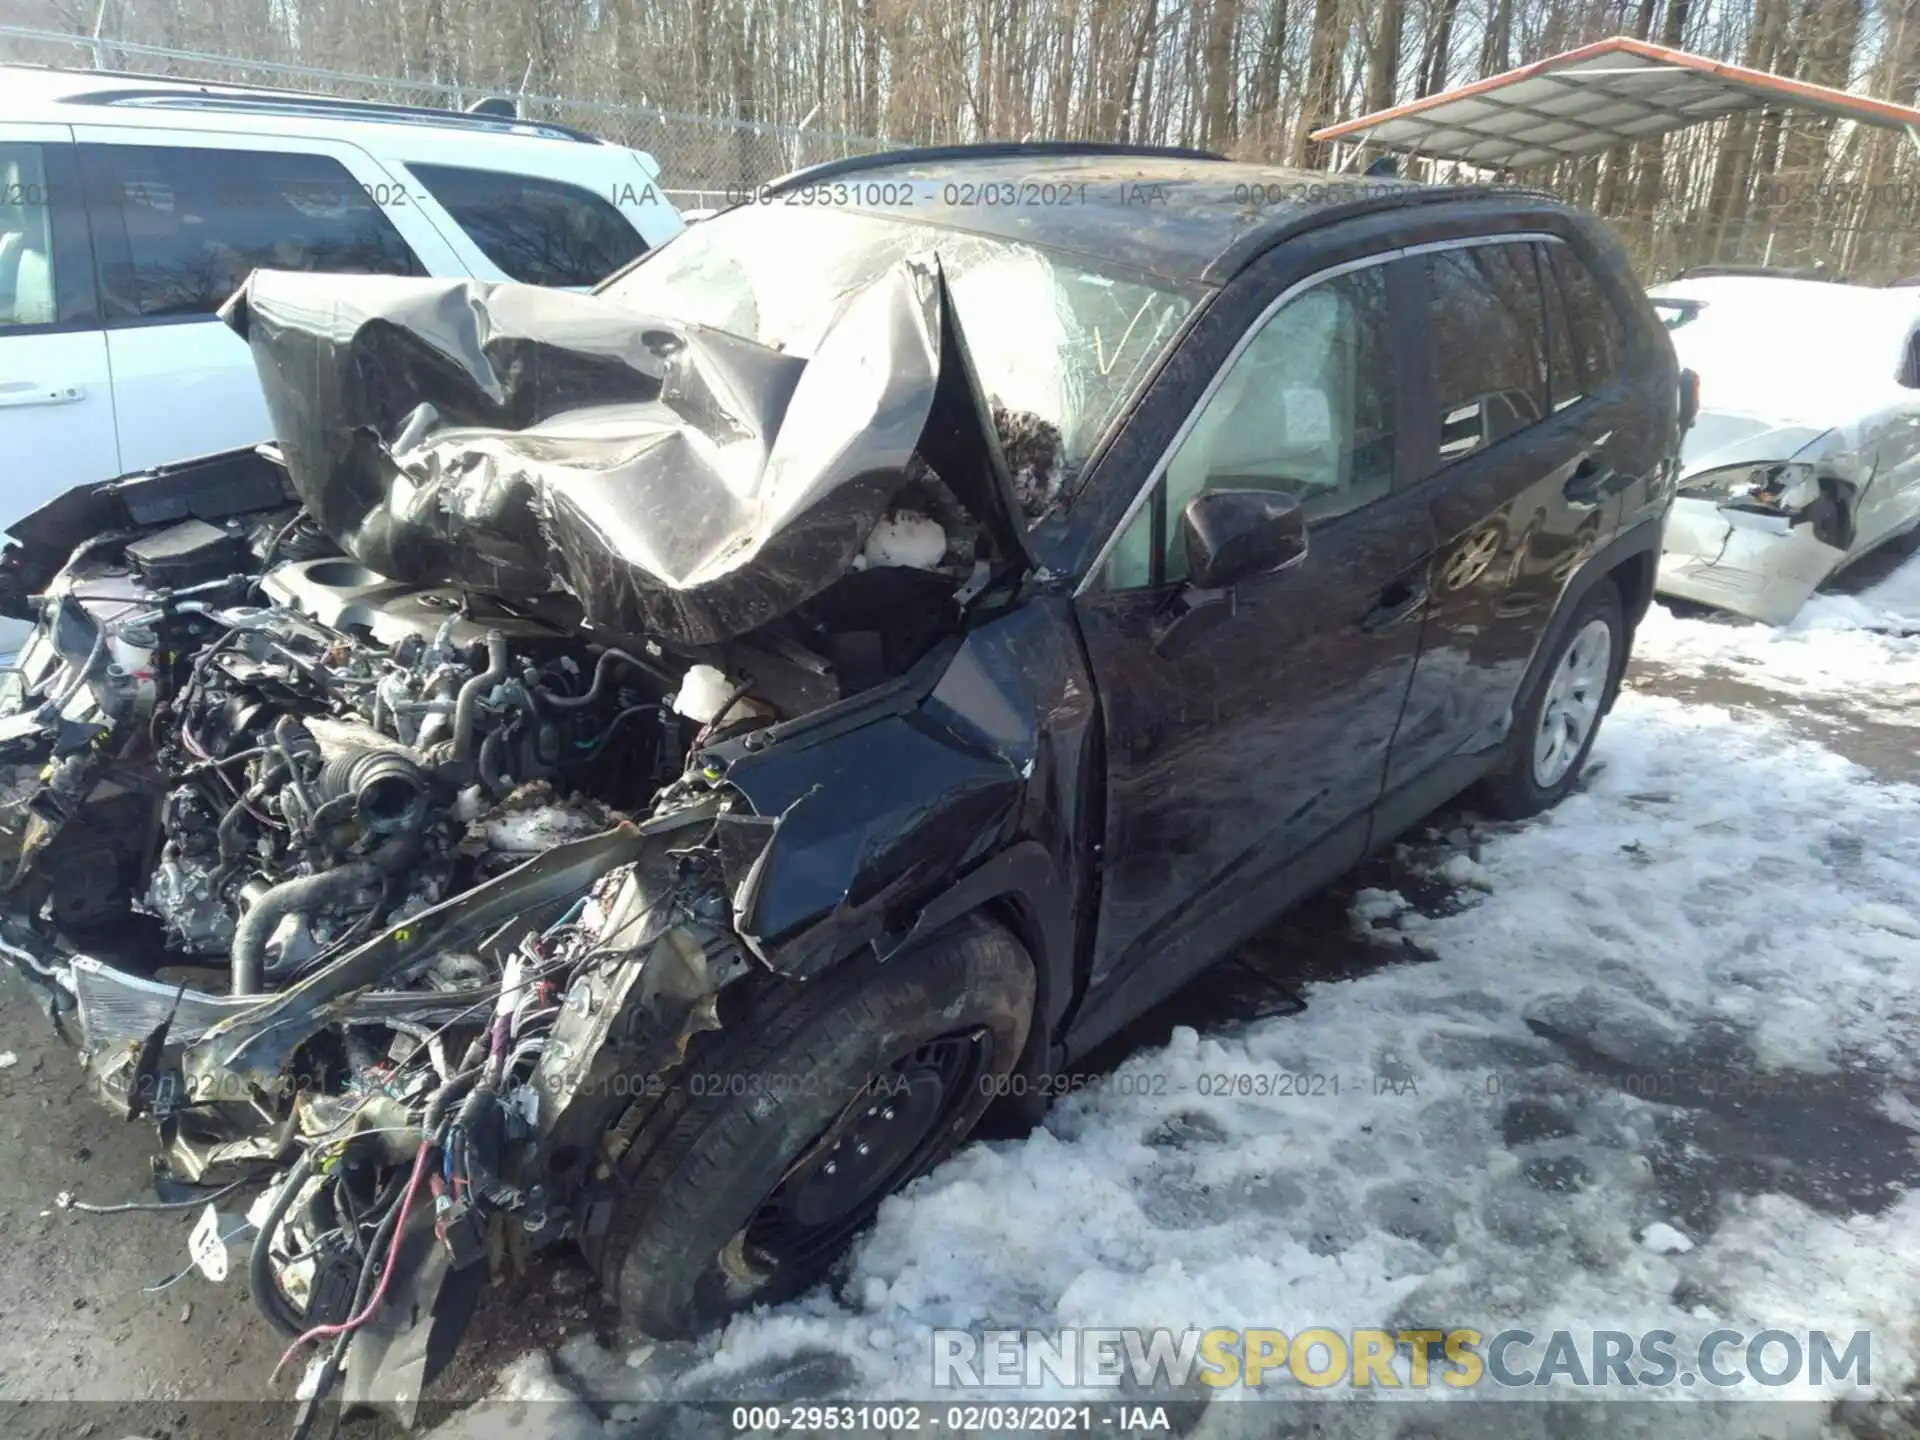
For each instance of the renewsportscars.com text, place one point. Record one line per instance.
(1161, 1360)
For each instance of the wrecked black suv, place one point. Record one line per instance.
(646, 769)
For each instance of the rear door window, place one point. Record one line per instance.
(1490, 344)
(1596, 339)
(539, 232)
(197, 222)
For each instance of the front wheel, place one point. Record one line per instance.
(1560, 715)
(792, 1123)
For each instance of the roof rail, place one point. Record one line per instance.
(1769, 272)
(994, 150)
(288, 102)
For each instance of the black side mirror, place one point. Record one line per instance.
(1234, 535)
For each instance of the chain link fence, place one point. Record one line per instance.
(702, 158)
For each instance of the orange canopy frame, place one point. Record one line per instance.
(1590, 99)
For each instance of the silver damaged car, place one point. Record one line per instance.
(1805, 454)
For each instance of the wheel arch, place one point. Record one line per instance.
(1020, 887)
(1633, 576)
(1629, 562)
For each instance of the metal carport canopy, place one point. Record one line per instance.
(1590, 99)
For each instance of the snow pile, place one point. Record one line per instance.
(1861, 650)
(906, 538)
(1663, 1239)
(530, 1402)
(1665, 1074)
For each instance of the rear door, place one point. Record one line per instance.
(1519, 476)
(1246, 745)
(56, 399)
(179, 226)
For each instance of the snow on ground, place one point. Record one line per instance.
(1662, 1071)
(1861, 650)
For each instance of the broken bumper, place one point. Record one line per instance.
(1761, 566)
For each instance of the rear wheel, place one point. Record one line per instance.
(1560, 715)
(792, 1123)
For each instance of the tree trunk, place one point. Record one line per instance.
(1383, 60)
(1217, 62)
(1438, 59)
(1323, 75)
(1497, 44)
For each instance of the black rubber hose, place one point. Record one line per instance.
(331, 812)
(391, 793)
(606, 736)
(601, 669)
(287, 734)
(490, 771)
(49, 711)
(337, 1356)
(304, 893)
(260, 1278)
(478, 1110)
(227, 832)
(444, 1098)
(289, 897)
(344, 1212)
(470, 693)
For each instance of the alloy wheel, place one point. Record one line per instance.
(1572, 706)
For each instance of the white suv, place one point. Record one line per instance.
(131, 207)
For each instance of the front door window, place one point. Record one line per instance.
(1306, 407)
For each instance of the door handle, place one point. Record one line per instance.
(28, 393)
(1400, 601)
(1583, 485)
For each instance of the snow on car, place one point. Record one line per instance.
(1805, 454)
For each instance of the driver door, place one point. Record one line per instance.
(1247, 743)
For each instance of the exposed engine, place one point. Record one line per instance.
(327, 783)
(228, 726)
(274, 782)
(413, 893)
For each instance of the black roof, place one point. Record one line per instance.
(986, 150)
(1183, 215)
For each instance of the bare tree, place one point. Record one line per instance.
(1252, 78)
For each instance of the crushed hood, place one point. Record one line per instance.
(676, 480)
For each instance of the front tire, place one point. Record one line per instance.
(1554, 731)
(789, 1125)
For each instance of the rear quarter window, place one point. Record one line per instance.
(539, 232)
(1596, 335)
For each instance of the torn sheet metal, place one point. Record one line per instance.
(677, 481)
